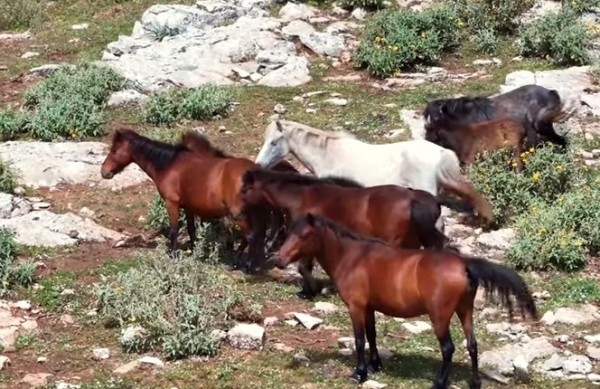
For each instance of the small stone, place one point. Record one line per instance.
(30, 54)
(36, 380)
(86, 212)
(241, 73)
(577, 364)
(563, 338)
(417, 327)
(555, 362)
(280, 109)
(372, 384)
(586, 154)
(29, 325)
(359, 14)
(592, 338)
(247, 336)
(73, 234)
(308, 321)
(126, 368)
(346, 342)
(154, 361)
(548, 318)
(337, 101)
(593, 377)
(64, 385)
(67, 319)
(301, 358)
(100, 354)
(67, 292)
(22, 304)
(521, 367)
(593, 352)
(325, 307)
(218, 334)
(256, 77)
(42, 359)
(282, 347)
(291, 323)
(4, 360)
(345, 352)
(81, 26)
(270, 321)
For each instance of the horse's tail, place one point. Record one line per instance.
(424, 217)
(503, 281)
(451, 178)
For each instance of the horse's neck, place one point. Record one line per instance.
(144, 163)
(316, 158)
(289, 199)
(332, 253)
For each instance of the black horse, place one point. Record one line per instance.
(533, 106)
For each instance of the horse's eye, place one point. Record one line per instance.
(273, 142)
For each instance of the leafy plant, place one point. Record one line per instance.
(12, 124)
(11, 272)
(394, 40)
(581, 6)
(498, 16)
(561, 37)
(21, 14)
(486, 41)
(8, 177)
(366, 4)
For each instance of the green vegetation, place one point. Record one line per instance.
(12, 273)
(20, 14)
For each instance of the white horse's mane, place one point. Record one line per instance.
(307, 132)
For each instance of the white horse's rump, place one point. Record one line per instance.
(416, 164)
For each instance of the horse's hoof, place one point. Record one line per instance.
(358, 376)
(304, 295)
(375, 366)
(475, 385)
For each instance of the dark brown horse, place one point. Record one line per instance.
(401, 216)
(197, 142)
(468, 140)
(204, 186)
(371, 275)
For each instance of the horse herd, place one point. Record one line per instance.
(365, 212)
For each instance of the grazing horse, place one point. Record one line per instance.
(533, 106)
(200, 185)
(400, 216)
(373, 276)
(198, 143)
(468, 140)
(416, 164)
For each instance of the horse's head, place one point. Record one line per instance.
(252, 188)
(119, 155)
(434, 113)
(303, 241)
(275, 146)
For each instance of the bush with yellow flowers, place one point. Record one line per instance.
(561, 37)
(399, 39)
(548, 173)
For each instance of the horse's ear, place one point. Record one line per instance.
(444, 109)
(118, 135)
(310, 218)
(278, 126)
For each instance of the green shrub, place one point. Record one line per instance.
(70, 103)
(8, 177)
(21, 14)
(548, 174)
(581, 6)
(498, 16)
(203, 103)
(12, 124)
(158, 218)
(486, 41)
(561, 37)
(175, 304)
(394, 40)
(366, 4)
(11, 272)
(568, 290)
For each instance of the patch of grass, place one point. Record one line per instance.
(70, 103)
(173, 105)
(581, 6)
(560, 36)
(12, 273)
(49, 294)
(8, 177)
(25, 341)
(566, 291)
(158, 305)
(395, 40)
(21, 14)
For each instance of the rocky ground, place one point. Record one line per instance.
(292, 60)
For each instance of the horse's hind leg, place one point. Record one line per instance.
(190, 220)
(465, 314)
(440, 318)
(309, 283)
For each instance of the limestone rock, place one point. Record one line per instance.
(247, 336)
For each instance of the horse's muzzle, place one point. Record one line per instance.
(107, 175)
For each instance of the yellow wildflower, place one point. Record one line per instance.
(536, 176)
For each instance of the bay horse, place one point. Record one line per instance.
(416, 164)
(197, 142)
(533, 106)
(200, 185)
(468, 140)
(402, 217)
(371, 275)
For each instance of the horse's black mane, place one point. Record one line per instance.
(303, 179)
(340, 230)
(160, 154)
(462, 108)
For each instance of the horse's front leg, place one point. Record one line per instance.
(173, 212)
(531, 135)
(357, 315)
(309, 285)
(191, 227)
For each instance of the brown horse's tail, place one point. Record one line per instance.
(451, 179)
(502, 280)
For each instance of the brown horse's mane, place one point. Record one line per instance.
(271, 176)
(160, 154)
(196, 142)
(339, 229)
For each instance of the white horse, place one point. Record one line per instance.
(416, 164)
